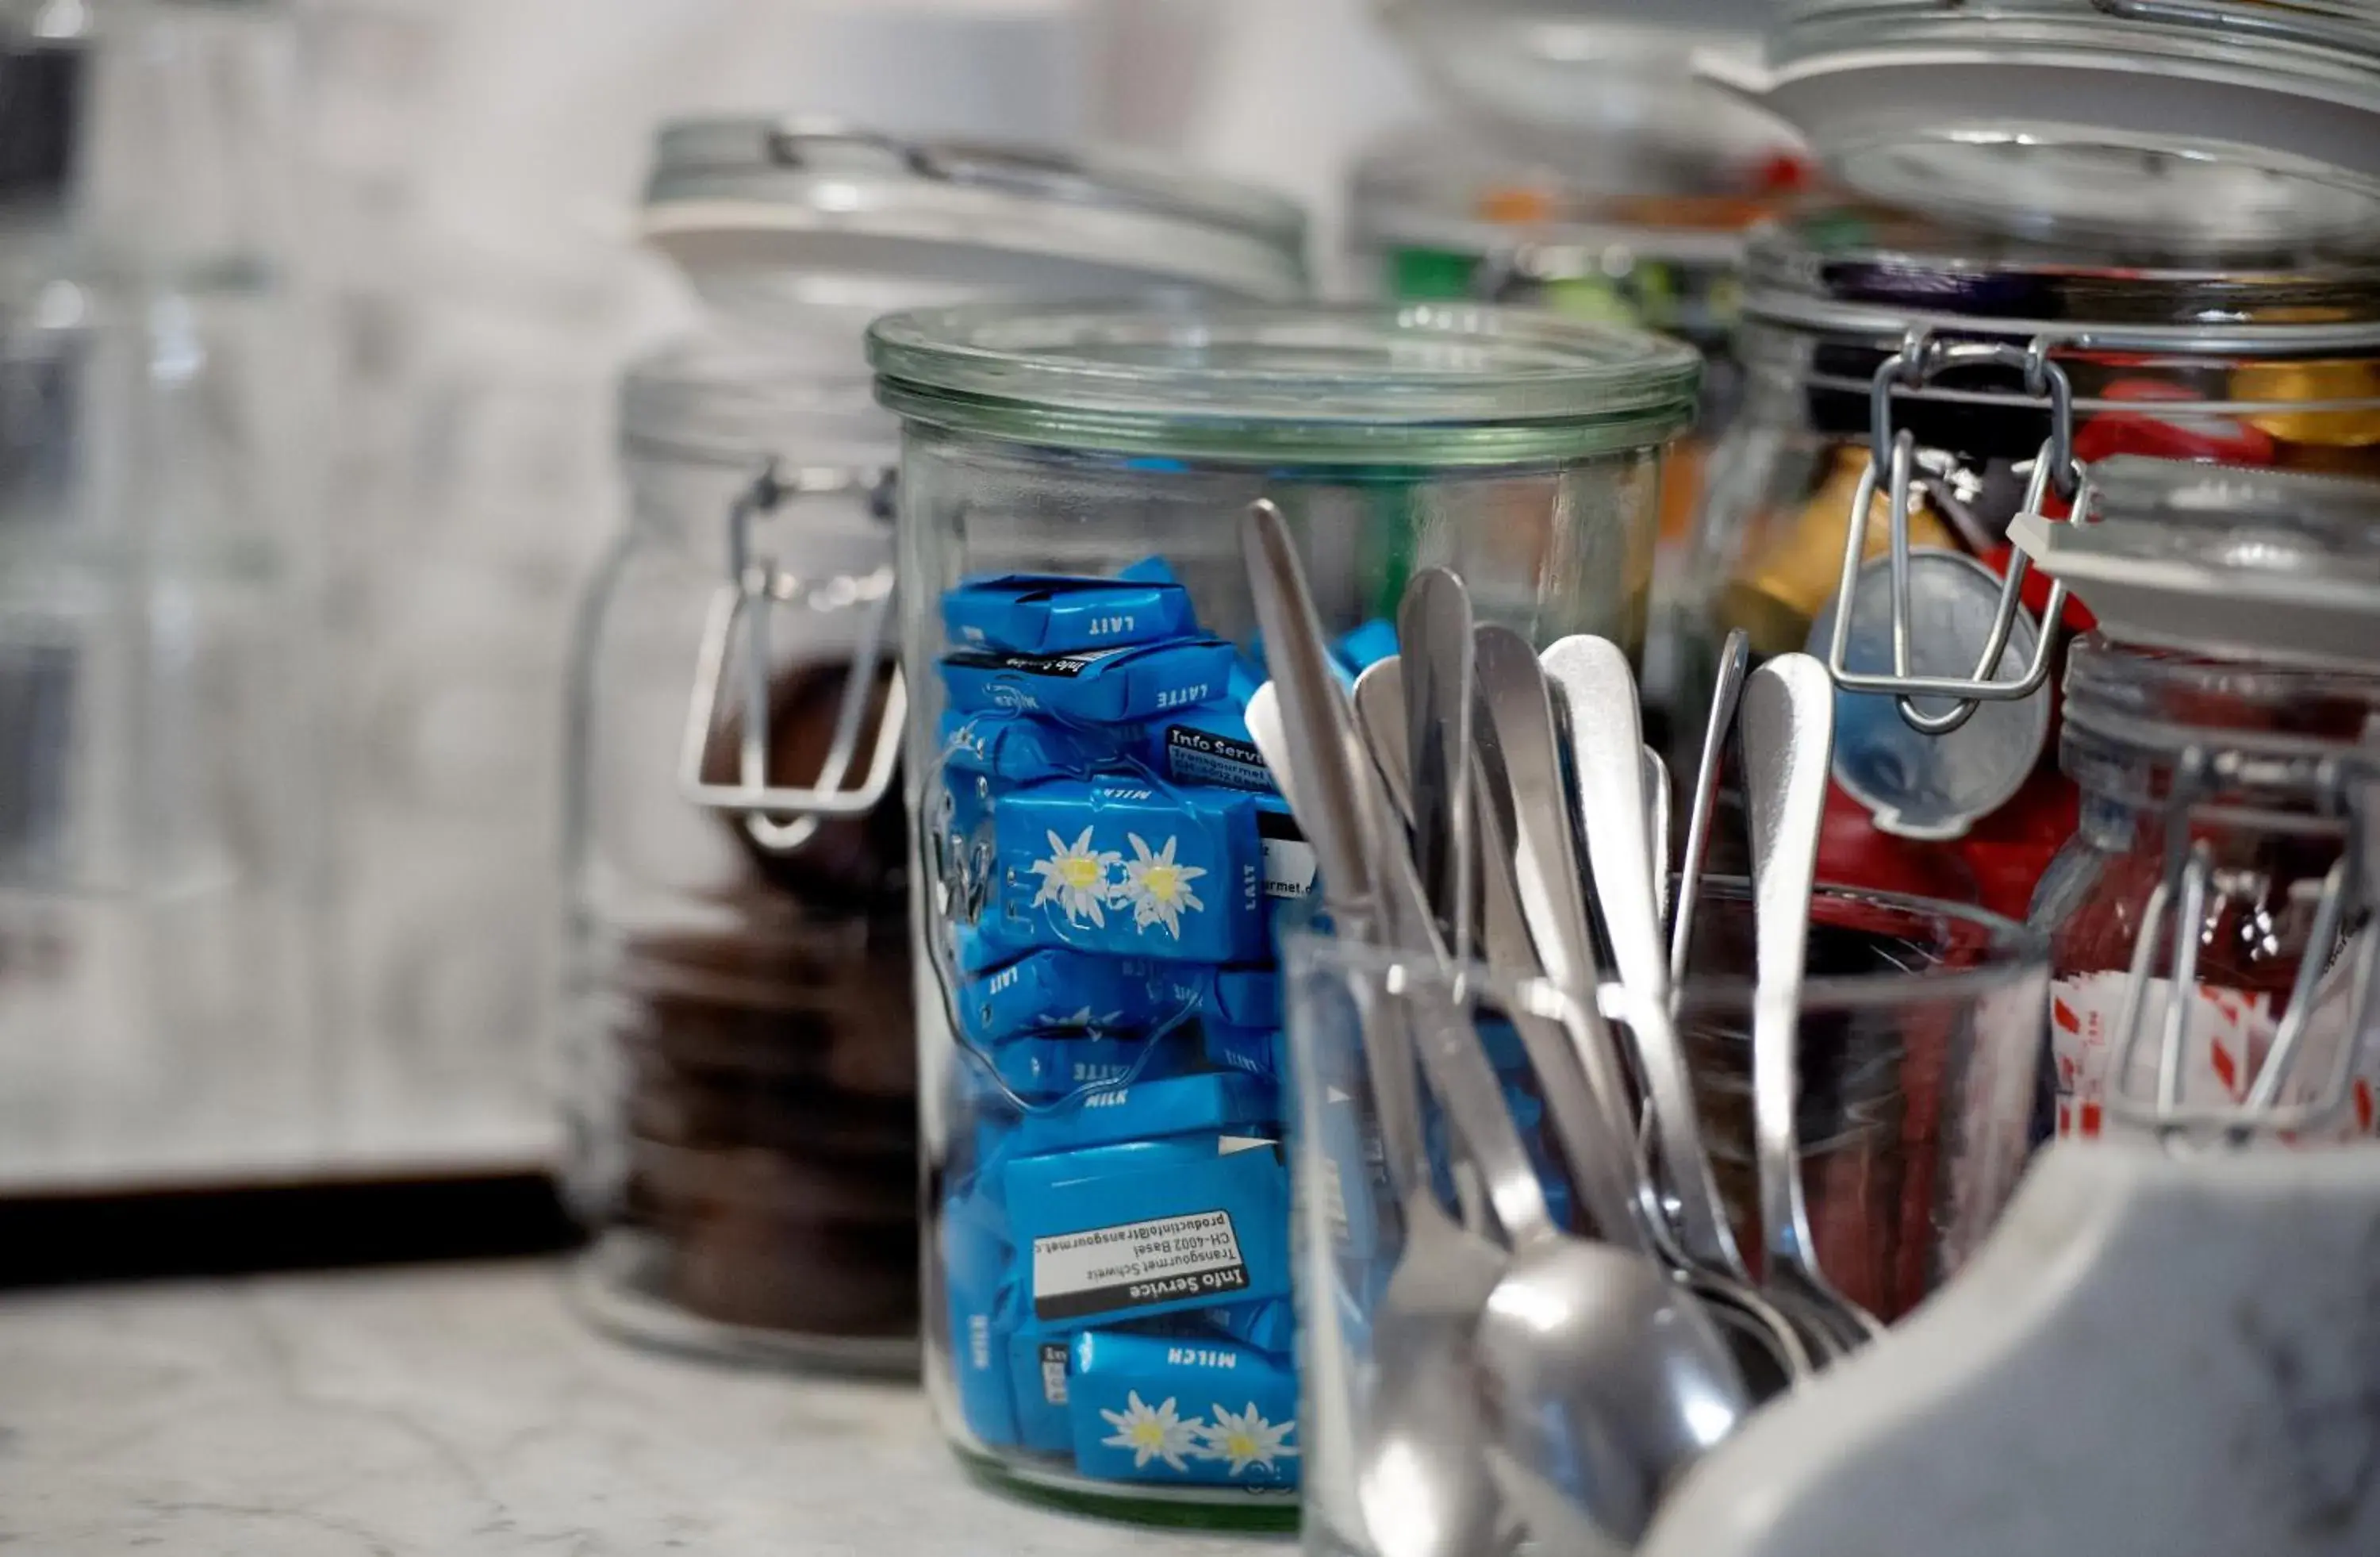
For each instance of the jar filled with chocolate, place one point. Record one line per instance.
(744, 1074)
(744, 1091)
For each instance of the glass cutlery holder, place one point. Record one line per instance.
(1921, 1025)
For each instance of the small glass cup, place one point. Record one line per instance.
(1922, 1025)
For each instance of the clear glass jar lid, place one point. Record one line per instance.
(711, 400)
(1873, 273)
(2264, 565)
(1419, 385)
(2222, 123)
(927, 220)
(1568, 79)
(1660, 201)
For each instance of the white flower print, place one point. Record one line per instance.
(1158, 889)
(1076, 878)
(1152, 1435)
(1245, 1439)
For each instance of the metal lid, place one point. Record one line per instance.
(2216, 123)
(2258, 565)
(1421, 383)
(1873, 273)
(875, 217)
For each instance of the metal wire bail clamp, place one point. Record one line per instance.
(1918, 363)
(2186, 879)
(754, 588)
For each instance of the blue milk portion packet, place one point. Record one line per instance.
(1101, 685)
(1213, 1103)
(1118, 867)
(1038, 1363)
(1268, 1327)
(1043, 1070)
(1366, 646)
(1016, 747)
(1129, 1232)
(1262, 1053)
(1056, 988)
(1245, 997)
(980, 1286)
(1188, 1411)
(1062, 613)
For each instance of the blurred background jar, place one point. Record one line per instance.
(2222, 727)
(2269, 362)
(737, 996)
(1579, 165)
(1107, 860)
(161, 835)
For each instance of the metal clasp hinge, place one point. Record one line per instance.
(2181, 892)
(1919, 361)
(756, 588)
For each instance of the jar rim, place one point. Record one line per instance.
(2162, 701)
(703, 398)
(1388, 384)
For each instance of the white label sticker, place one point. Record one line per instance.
(1289, 867)
(2229, 1032)
(1053, 1372)
(1135, 1264)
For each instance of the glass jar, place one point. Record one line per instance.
(1641, 225)
(2176, 751)
(1919, 1027)
(1108, 861)
(743, 1127)
(163, 1009)
(744, 1130)
(2272, 363)
(2223, 726)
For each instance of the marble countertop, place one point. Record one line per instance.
(461, 1411)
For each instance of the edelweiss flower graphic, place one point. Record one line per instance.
(1152, 1435)
(1158, 889)
(1245, 1439)
(1076, 877)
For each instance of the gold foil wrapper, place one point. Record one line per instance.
(1782, 588)
(2329, 379)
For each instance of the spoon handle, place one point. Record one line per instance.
(1434, 633)
(1606, 1175)
(1658, 800)
(1735, 659)
(1593, 678)
(1787, 729)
